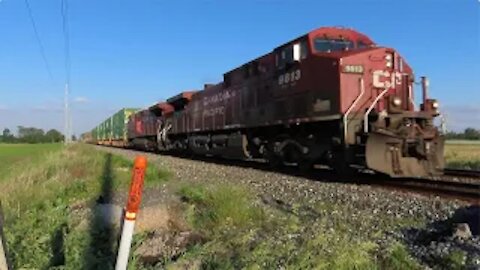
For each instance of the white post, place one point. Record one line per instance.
(3, 255)
(3, 258)
(133, 204)
(125, 244)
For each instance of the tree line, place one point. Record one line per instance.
(31, 135)
(37, 135)
(467, 134)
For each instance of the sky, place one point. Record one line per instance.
(134, 53)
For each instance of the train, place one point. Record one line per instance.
(331, 96)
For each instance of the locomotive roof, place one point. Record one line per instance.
(328, 32)
(161, 107)
(341, 32)
(334, 33)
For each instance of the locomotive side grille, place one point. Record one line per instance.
(281, 110)
(299, 106)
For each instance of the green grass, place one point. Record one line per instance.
(11, 154)
(398, 258)
(215, 208)
(455, 260)
(463, 154)
(242, 233)
(48, 203)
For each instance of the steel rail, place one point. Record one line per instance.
(461, 172)
(460, 188)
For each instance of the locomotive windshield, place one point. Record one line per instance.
(331, 45)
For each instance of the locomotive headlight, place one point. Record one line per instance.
(397, 101)
(389, 60)
(435, 105)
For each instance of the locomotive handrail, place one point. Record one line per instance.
(410, 95)
(345, 119)
(365, 119)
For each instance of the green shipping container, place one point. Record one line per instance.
(101, 131)
(114, 128)
(101, 136)
(108, 129)
(94, 134)
(119, 124)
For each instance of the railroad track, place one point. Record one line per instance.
(457, 184)
(461, 190)
(462, 173)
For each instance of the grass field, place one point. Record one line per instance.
(11, 154)
(463, 154)
(49, 201)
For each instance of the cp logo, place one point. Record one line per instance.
(385, 79)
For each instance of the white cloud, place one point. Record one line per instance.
(81, 100)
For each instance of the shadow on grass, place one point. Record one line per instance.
(58, 247)
(100, 253)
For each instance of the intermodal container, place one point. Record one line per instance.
(119, 123)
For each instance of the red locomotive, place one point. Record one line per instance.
(331, 96)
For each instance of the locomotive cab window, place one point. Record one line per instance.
(332, 45)
(362, 45)
(291, 53)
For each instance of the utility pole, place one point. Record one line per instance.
(66, 35)
(67, 126)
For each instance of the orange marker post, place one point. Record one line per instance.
(133, 204)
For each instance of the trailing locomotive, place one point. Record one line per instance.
(331, 96)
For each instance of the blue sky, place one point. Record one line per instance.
(133, 53)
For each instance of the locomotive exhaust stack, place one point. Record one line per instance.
(425, 84)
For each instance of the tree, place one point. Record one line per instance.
(471, 134)
(6, 133)
(7, 136)
(467, 134)
(31, 134)
(53, 135)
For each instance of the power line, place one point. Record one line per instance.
(39, 41)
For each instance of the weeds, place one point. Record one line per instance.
(398, 258)
(220, 207)
(456, 260)
(242, 234)
(49, 204)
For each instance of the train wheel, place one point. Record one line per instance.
(345, 173)
(274, 161)
(342, 167)
(305, 165)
